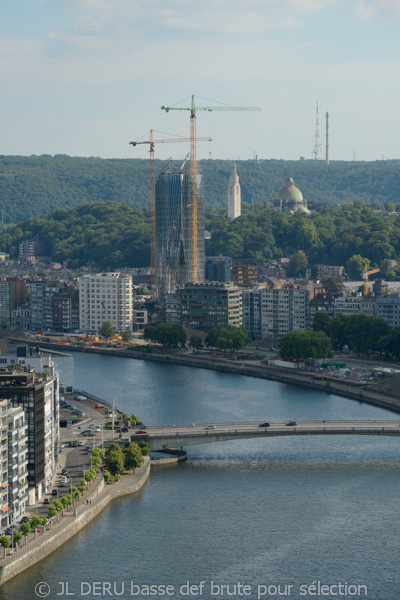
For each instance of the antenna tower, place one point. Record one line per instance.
(317, 145)
(327, 139)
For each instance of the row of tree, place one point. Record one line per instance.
(360, 333)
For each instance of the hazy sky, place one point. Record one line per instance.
(85, 77)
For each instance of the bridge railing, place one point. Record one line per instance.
(256, 423)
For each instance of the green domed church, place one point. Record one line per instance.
(290, 199)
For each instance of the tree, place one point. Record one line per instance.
(355, 266)
(297, 264)
(58, 505)
(35, 523)
(25, 530)
(322, 322)
(227, 337)
(106, 330)
(5, 542)
(114, 459)
(17, 537)
(51, 511)
(301, 345)
(333, 285)
(126, 336)
(195, 341)
(166, 334)
(133, 456)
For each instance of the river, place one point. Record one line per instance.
(262, 513)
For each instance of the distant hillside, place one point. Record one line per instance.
(36, 185)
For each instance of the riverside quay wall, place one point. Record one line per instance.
(99, 496)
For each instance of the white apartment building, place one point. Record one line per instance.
(284, 310)
(17, 463)
(105, 297)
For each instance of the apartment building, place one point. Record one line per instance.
(205, 306)
(37, 395)
(285, 309)
(17, 463)
(388, 308)
(105, 297)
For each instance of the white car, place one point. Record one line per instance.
(95, 427)
(209, 427)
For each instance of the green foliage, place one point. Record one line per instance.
(17, 536)
(166, 334)
(35, 522)
(111, 234)
(114, 459)
(34, 185)
(126, 336)
(51, 511)
(106, 329)
(195, 341)
(333, 285)
(133, 456)
(297, 265)
(144, 448)
(301, 345)
(25, 529)
(5, 542)
(230, 337)
(355, 266)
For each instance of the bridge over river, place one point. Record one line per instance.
(162, 438)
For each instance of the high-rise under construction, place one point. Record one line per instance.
(173, 229)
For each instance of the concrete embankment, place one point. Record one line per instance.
(171, 456)
(99, 497)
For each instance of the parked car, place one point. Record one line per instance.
(25, 519)
(54, 493)
(209, 427)
(64, 471)
(265, 424)
(141, 432)
(80, 398)
(291, 423)
(79, 413)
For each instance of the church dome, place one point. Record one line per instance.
(303, 210)
(290, 192)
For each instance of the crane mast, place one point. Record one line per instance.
(151, 143)
(193, 165)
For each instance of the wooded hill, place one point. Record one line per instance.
(117, 235)
(37, 185)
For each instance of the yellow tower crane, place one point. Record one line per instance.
(152, 141)
(365, 278)
(193, 165)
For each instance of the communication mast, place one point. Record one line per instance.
(317, 145)
(327, 139)
(193, 166)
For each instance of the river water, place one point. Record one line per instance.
(288, 512)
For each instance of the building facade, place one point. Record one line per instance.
(173, 230)
(205, 306)
(218, 268)
(285, 309)
(105, 297)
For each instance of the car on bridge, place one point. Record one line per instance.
(291, 423)
(141, 432)
(265, 424)
(209, 427)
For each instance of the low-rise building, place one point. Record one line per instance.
(388, 308)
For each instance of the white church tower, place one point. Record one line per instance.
(234, 196)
